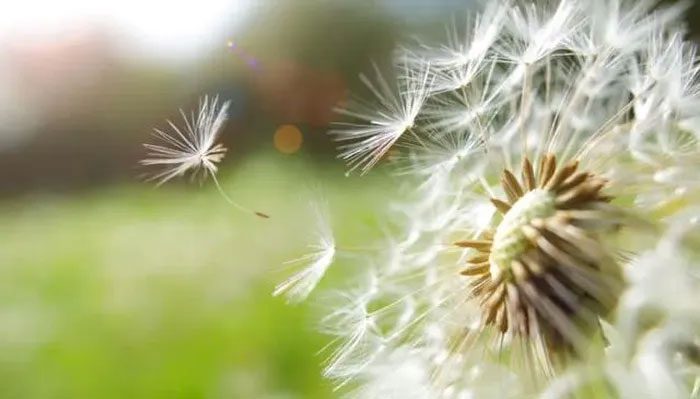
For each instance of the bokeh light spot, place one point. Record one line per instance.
(288, 139)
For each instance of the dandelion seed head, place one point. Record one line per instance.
(544, 148)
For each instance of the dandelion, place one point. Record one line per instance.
(192, 148)
(536, 178)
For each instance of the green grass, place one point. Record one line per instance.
(131, 292)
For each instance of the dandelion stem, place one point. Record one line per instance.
(234, 203)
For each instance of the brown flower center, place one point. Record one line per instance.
(544, 271)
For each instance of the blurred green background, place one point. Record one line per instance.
(126, 291)
(111, 288)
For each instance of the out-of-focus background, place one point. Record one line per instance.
(110, 288)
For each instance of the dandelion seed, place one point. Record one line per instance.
(192, 148)
(538, 31)
(364, 144)
(438, 154)
(625, 25)
(298, 287)
(464, 56)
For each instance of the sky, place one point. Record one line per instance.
(170, 27)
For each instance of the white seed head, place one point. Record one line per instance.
(588, 111)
